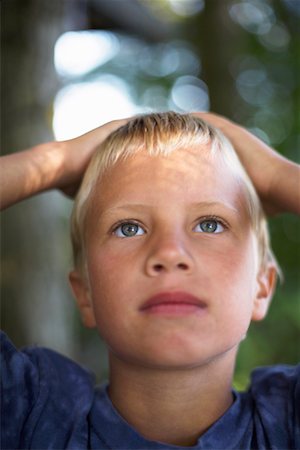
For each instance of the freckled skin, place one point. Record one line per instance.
(221, 269)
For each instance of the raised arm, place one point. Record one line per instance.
(53, 165)
(276, 179)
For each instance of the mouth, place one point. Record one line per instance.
(173, 303)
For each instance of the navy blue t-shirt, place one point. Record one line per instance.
(50, 402)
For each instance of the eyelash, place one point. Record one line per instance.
(216, 218)
(199, 221)
(124, 222)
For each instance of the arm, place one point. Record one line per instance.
(51, 165)
(276, 179)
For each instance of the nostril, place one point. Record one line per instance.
(158, 267)
(182, 266)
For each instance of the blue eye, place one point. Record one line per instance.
(128, 229)
(212, 226)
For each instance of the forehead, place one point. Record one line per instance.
(187, 175)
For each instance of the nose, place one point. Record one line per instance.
(169, 255)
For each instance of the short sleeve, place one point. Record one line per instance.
(19, 391)
(46, 399)
(276, 391)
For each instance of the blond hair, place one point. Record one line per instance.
(161, 134)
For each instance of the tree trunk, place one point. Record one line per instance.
(34, 231)
(219, 40)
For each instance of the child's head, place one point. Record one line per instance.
(166, 207)
(162, 134)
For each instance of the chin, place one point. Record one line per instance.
(174, 358)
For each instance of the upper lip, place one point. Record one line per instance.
(178, 297)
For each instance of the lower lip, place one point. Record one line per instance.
(175, 309)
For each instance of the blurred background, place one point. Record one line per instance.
(70, 65)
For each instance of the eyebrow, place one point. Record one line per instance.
(137, 207)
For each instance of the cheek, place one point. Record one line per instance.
(103, 269)
(232, 269)
(110, 277)
(236, 274)
(104, 259)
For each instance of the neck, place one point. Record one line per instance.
(171, 406)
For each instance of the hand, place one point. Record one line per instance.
(77, 153)
(276, 179)
(53, 165)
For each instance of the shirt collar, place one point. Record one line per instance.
(232, 430)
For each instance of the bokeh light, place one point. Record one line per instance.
(174, 57)
(255, 16)
(186, 8)
(276, 39)
(189, 94)
(77, 53)
(115, 73)
(81, 107)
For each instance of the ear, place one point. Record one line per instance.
(81, 293)
(266, 282)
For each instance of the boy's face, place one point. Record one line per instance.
(168, 229)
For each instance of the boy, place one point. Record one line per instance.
(172, 262)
